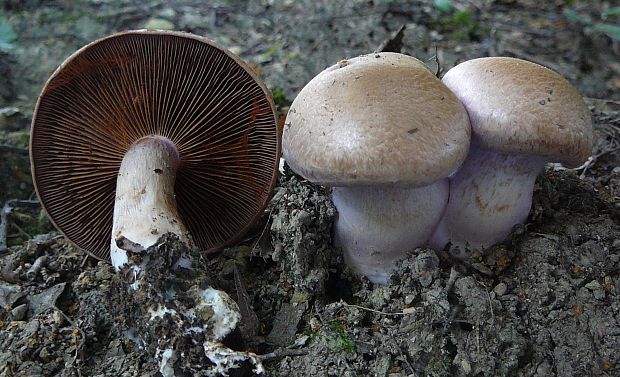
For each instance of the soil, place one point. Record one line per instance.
(544, 303)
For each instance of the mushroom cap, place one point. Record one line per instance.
(516, 106)
(376, 119)
(118, 89)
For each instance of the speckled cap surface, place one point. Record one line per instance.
(381, 118)
(517, 106)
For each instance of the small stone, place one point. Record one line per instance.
(466, 366)
(597, 289)
(45, 354)
(315, 324)
(409, 299)
(500, 289)
(19, 312)
(103, 273)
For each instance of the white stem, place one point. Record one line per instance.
(145, 206)
(377, 226)
(489, 195)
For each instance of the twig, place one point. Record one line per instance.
(4, 220)
(21, 231)
(376, 311)
(454, 274)
(491, 308)
(282, 352)
(262, 233)
(249, 320)
(394, 43)
(8, 207)
(593, 159)
(402, 355)
(78, 346)
(83, 263)
(267, 226)
(438, 71)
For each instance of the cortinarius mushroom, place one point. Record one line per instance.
(385, 133)
(523, 115)
(148, 132)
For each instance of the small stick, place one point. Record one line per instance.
(282, 352)
(8, 207)
(4, 220)
(376, 311)
(249, 320)
(78, 347)
(36, 267)
(454, 274)
(394, 43)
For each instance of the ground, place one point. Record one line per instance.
(544, 303)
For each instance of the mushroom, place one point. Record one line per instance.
(147, 132)
(385, 133)
(523, 115)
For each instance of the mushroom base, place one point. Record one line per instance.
(377, 226)
(145, 206)
(489, 195)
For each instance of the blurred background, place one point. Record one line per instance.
(288, 42)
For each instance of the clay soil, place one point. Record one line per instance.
(544, 303)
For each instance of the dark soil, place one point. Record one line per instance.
(544, 303)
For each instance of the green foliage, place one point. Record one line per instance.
(7, 34)
(612, 31)
(335, 337)
(601, 25)
(464, 25)
(444, 6)
(461, 22)
(342, 341)
(611, 12)
(438, 365)
(575, 17)
(279, 98)
(272, 50)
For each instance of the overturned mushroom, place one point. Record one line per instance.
(145, 133)
(173, 130)
(523, 115)
(385, 133)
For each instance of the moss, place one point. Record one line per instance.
(338, 339)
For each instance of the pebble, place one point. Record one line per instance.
(500, 289)
(19, 312)
(596, 288)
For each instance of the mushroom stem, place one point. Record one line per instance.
(489, 195)
(145, 207)
(376, 227)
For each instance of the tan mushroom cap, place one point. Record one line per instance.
(380, 118)
(186, 88)
(516, 106)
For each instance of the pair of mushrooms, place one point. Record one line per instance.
(148, 132)
(414, 161)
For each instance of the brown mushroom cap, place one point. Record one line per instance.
(380, 118)
(186, 88)
(516, 106)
